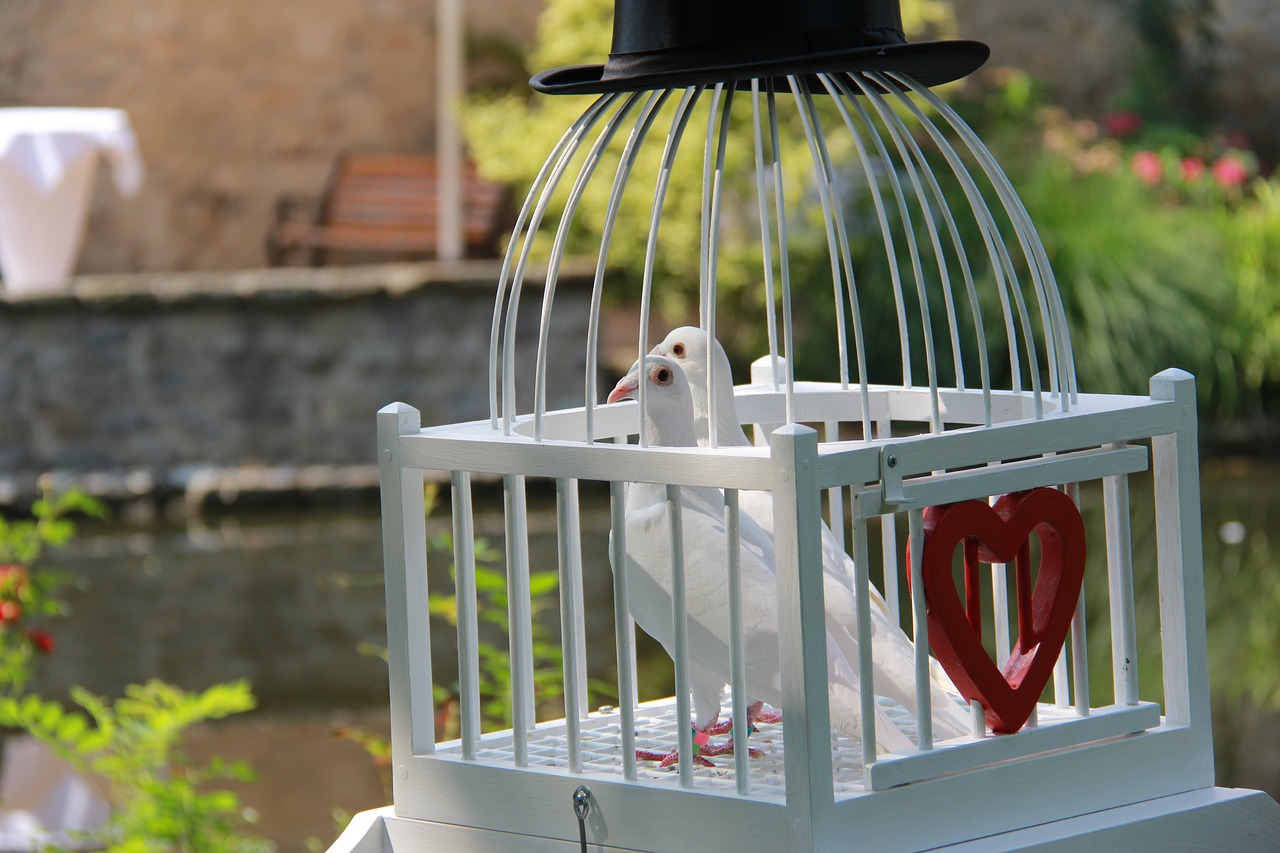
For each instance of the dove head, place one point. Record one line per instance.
(668, 403)
(687, 346)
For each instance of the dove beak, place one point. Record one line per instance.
(626, 387)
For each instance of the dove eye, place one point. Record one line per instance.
(662, 376)
(678, 350)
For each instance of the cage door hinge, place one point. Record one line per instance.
(891, 476)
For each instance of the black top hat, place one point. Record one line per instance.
(659, 44)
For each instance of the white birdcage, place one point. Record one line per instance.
(1122, 769)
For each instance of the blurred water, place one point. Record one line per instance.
(286, 598)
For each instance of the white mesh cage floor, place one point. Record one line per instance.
(655, 730)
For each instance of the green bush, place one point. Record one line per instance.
(160, 800)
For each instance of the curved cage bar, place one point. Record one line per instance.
(909, 155)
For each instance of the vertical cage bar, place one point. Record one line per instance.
(712, 232)
(873, 178)
(624, 628)
(891, 124)
(737, 658)
(625, 163)
(835, 496)
(784, 258)
(572, 654)
(1062, 681)
(823, 180)
(557, 254)
(889, 542)
(1000, 606)
(866, 664)
(920, 621)
(587, 117)
(680, 633)
(517, 277)
(575, 578)
(674, 135)
(1079, 636)
(766, 236)
(519, 615)
(464, 568)
(1124, 636)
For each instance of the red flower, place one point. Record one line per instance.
(1230, 172)
(10, 611)
(1192, 168)
(1122, 125)
(41, 640)
(1147, 166)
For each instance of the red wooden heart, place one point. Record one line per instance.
(1000, 534)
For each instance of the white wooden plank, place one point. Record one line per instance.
(1181, 564)
(806, 712)
(412, 710)
(1023, 439)
(726, 468)
(953, 486)
(1027, 792)
(961, 754)
(1206, 819)
(535, 801)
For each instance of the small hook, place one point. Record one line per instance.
(581, 802)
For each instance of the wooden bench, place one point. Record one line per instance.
(385, 204)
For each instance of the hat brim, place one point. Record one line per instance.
(929, 63)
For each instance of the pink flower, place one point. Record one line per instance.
(1230, 172)
(13, 578)
(1122, 125)
(1148, 168)
(1192, 168)
(10, 611)
(41, 640)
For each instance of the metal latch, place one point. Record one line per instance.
(891, 476)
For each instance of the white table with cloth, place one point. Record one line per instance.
(48, 157)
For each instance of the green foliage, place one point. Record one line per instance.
(1253, 264)
(30, 594)
(161, 802)
(494, 656)
(1172, 73)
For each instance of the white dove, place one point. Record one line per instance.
(669, 423)
(892, 651)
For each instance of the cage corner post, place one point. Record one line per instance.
(802, 635)
(405, 565)
(1180, 555)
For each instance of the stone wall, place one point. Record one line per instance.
(237, 102)
(1081, 50)
(156, 377)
